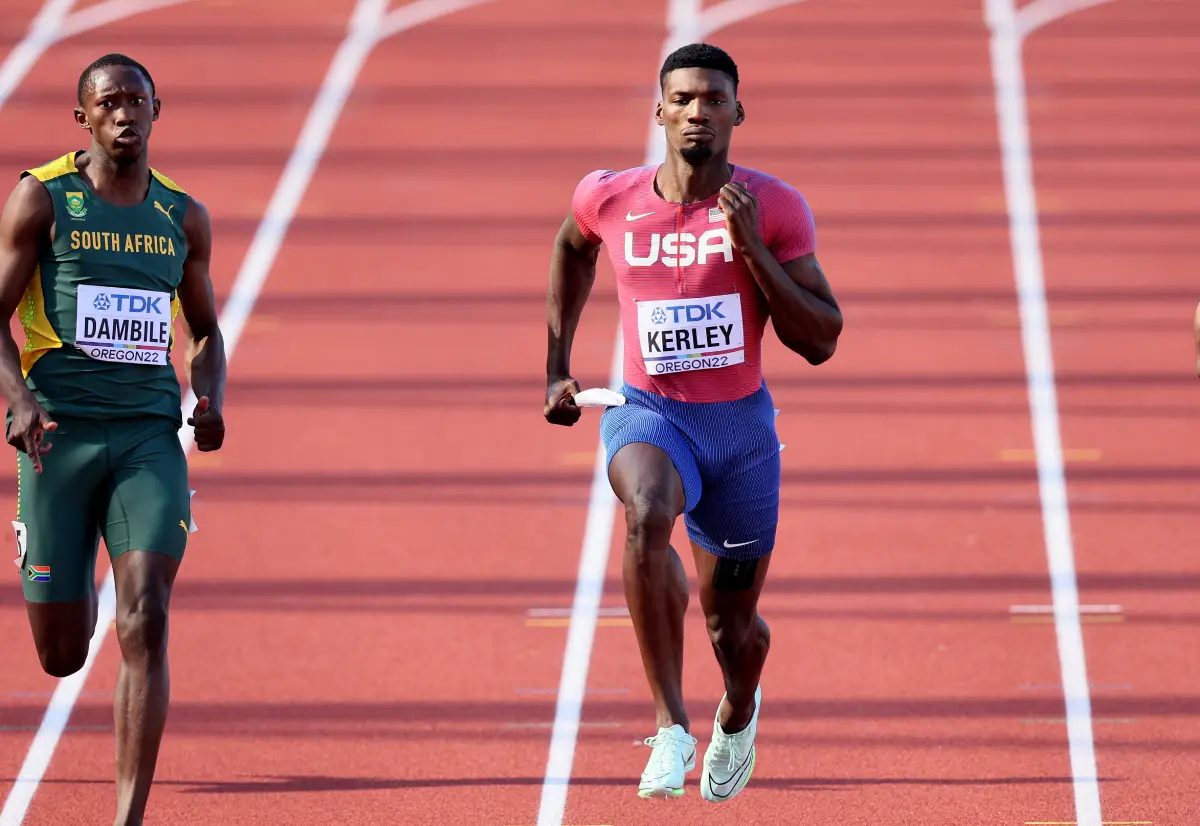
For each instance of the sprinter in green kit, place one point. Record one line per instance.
(99, 254)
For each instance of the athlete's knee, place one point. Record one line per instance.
(733, 631)
(63, 657)
(62, 633)
(649, 520)
(142, 626)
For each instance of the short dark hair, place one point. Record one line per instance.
(85, 79)
(699, 56)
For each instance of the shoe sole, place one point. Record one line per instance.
(664, 792)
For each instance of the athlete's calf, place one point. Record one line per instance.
(656, 586)
(729, 592)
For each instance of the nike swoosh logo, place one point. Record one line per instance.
(629, 216)
(726, 788)
(738, 544)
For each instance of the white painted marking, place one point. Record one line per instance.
(566, 612)
(687, 22)
(422, 11)
(101, 14)
(43, 32)
(1013, 125)
(1037, 14)
(1049, 609)
(365, 32)
(54, 721)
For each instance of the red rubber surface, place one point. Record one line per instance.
(349, 639)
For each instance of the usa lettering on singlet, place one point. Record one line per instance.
(680, 335)
(123, 325)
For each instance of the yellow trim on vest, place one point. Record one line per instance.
(176, 308)
(40, 337)
(167, 182)
(55, 169)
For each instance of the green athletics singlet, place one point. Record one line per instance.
(98, 313)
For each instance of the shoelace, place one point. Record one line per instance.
(666, 756)
(734, 758)
(731, 742)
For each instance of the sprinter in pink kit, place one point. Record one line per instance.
(704, 252)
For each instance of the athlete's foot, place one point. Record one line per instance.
(729, 760)
(673, 756)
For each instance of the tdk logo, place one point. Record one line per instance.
(680, 248)
(688, 313)
(130, 303)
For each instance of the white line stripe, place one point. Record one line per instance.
(58, 712)
(589, 587)
(1039, 13)
(289, 192)
(1013, 124)
(1049, 609)
(366, 28)
(43, 32)
(93, 17)
(687, 22)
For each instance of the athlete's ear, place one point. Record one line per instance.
(81, 118)
(658, 115)
(741, 115)
(157, 106)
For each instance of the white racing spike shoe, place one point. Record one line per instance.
(729, 760)
(673, 756)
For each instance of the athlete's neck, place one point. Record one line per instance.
(125, 184)
(680, 182)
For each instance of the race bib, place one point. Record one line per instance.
(119, 324)
(680, 335)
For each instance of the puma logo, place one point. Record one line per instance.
(166, 212)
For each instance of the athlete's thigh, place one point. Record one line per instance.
(148, 506)
(646, 452)
(738, 516)
(58, 514)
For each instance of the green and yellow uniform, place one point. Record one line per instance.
(98, 318)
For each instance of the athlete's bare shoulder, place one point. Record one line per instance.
(28, 213)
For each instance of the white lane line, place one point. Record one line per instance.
(687, 22)
(101, 14)
(366, 30)
(43, 33)
(1013, 124)
(1039, 13)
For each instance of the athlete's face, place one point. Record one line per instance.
(119, 110)
(699, 109)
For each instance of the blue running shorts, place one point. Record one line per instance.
(727, 454)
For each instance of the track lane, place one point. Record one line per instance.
(79, 779)
(1112, 83)
(895, 689)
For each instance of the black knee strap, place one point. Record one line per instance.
(734, 574)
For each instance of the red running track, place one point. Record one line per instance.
(351, 636)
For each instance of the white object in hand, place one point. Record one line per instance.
(599, 397)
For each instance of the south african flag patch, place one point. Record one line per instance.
(39, 573)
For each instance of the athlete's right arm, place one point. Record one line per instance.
(24, 226)
(572, 273)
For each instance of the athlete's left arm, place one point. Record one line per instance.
(804, 312)
(204, 357)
